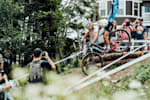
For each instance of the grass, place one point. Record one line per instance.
(134, 86)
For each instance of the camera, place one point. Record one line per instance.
(43, 54)
(127, 23)
(2, 72)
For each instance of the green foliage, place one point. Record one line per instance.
(78, 12)
(104, 89)
(9, 10)
(46, 15)
(113, 66)
(67, 68)
(142, 72)
(40, 20)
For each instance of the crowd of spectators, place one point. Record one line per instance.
(136, 29)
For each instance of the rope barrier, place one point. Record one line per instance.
(100, 70)
(71, 56)
(21, 77)
(76, 54)
(112, 72)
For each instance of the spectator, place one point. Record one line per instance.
(4, 84)
(126, 26)
(136, 22)
(141, 33)
(38, 65)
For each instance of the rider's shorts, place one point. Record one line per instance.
(109, 27)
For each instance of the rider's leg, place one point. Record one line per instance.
(106, 40)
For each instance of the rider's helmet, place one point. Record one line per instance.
(89, 26)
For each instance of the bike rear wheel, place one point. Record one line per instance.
(120, 40)
(91, 63)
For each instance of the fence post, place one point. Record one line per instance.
(132, 44)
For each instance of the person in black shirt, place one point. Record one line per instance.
(38, 65)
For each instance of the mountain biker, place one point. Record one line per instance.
(95, 30)
(103, 26)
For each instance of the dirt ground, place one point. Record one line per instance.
(123, 73)
(116, 76)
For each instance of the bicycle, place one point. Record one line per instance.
(92, 60)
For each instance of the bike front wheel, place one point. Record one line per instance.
(120, 40)
(91, 63)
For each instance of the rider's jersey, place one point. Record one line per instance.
(98, 28)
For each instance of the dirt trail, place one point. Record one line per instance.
(116, 76)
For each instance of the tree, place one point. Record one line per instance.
(46, 17)
(79, 12)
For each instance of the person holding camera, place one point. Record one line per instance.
(128, 27)
(37, 66)
(5, 85)
(141, 31)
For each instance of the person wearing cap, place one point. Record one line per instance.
(126, 26)
(38, 65)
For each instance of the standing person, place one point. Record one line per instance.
(4, 83)
(141, 33)
(37, 66)
(136, 22)
(126, 26)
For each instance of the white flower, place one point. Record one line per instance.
(53, 89)
(103, 98)
(106, 83)
(72, 79)
(21, 74)
(119, 84)
(142, 92)
(32, 91)
(72, 97)
(103, 73)
(114, 81)
(16, 92)
(129, 95)
(134, 84)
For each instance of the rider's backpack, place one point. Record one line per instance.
(36, 72)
